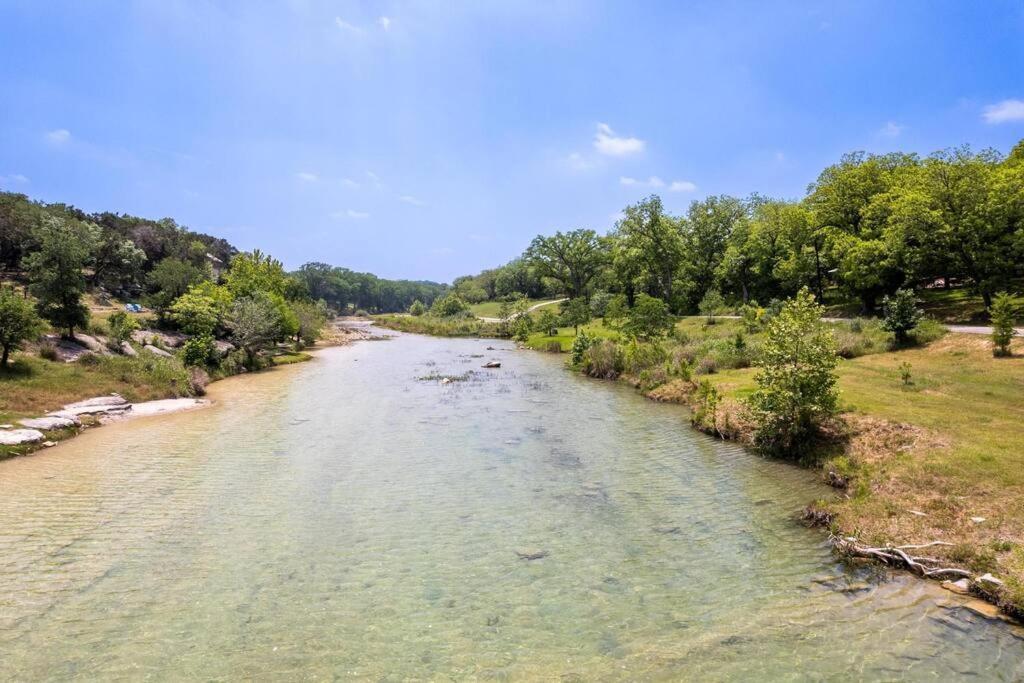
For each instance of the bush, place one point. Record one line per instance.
(710, 304)
(706, 366)
(639, 356)
(18, 323)
(553, 346)
(48, 351)
(449, 306)
(900, 314)
(648, 318)
(417, 308)
(547, 322)
(752, 316)
(1002, 324)
(121, 326)
(199, 352)
(599, 303)
(580, 345)
(796, 387)
(603, 360)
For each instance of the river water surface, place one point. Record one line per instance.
(348, 519)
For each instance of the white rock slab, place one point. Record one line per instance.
(50, 422)
(17, 437)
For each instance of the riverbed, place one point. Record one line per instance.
(357, 517)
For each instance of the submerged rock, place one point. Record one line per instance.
(531, 553)
(961, 587)
(17, 437)
(491, 364)
(666, 529)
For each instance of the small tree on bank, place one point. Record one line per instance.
(417, 308)
(18, 323)
(1002, 324)
(796, 387)
(901, 315)
(576, 312)
(649, 318)
(711, 304)
(255, 325)
(56, 274)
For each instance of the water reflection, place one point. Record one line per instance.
(346, 519)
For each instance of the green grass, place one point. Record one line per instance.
(960, 306)
(492, 309)
(440, 327)
(291, 358)
(567, 335)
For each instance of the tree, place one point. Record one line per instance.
(710, 304)
(169, 279)
(417, 309)
(55, 271)
(570, 258)
(649, 318)
(448, 306)
(311, 317)
(255, 324)
(116, 262)
(201, 310)
(547, 322)
(616, 311)
(900, 314)
(709, 225)
(255, 272)
(576, 312)
(650, 249)
(796, 386)
(1002, 324)
(18, 322)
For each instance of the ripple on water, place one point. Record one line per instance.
(346, 519)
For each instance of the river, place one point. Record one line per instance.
(348, 519)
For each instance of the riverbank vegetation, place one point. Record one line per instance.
(101, 303)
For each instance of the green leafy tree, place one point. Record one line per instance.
(711, 304)
(580, 344)
(449, 306)
(201, 310)
(311, 317)
(417, 308)
(649, 318)
(650, 251)
(576, 312)
(169, 279)
(255, 323)
(18, 323)
(616, 312)
(796, 386)
(56, 274)
(1002, 323)
(570, 258)
(706, 232)
(547, 322)
(199, 351)
(900, 314)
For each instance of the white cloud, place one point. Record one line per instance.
(351, 213)
(578, 162)
(384, 23)
(891, 129)
(1004, 112)
(608, 143)
(58, 137)
(14, 178)
(681, 186)
(653, 182)
(373, 176)
(307, 177)
(409, 199)
(348, 182)
(345, 26)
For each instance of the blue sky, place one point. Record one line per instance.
(432, 139)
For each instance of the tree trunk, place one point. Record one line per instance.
(3, 359)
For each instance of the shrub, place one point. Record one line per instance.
(417, 308)
(706, 366)
(649, 318)
(640, 356)
(905, 373)
(449, 306)
(710, 304)
(796, 387)
(547, 322)
(121, 327)
(580, 345)
(18, 323)
(900, 314)
(48, 351)
(199, 352)
(599, 303)
(705, 412)
(1002, 324)
(752, 316)
(553, 346)
(603, 360)
(576, 312)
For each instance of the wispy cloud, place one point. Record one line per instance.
(891, 129)
(348, 182)
(608, 143)
(409, 199)
(578, 162)
(58, 137)
(1004, 112)
(682, 186)
(345, 26)
(13, 179)
(384, 23)
(652, 182)
(307, 177)
(351, 213)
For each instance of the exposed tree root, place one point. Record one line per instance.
(897, 556)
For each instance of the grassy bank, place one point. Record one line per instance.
(439, 327)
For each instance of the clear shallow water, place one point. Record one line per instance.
(342, 520)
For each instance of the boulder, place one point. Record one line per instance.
(989, 582)
(17, 437)
(93, 406)
(171, 339)
(128, 350)
(50, 422)
(492, 364)
(960, 587)
(223, 347)
(155, 351)
(94, 344)
(67, 351)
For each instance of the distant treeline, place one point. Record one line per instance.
(869, 225)
(156, 260)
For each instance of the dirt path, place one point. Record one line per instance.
(531, 309)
